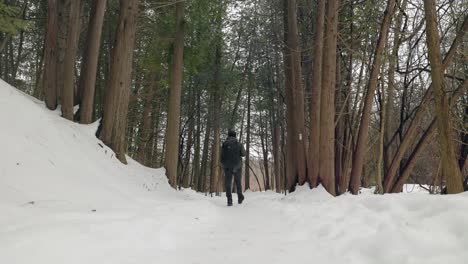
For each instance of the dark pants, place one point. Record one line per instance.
(228, 173)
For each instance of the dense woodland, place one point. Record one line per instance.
(347, 94)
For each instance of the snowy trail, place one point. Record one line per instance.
(66, 199)
(269, 228)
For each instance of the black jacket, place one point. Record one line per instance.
(231, 153)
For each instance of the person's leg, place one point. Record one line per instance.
(238, 180)
(227, 184)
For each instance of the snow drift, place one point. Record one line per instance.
(65, 198)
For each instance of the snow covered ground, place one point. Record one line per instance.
(64, 198)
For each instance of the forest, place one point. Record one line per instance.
(348, 94)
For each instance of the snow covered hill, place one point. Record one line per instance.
(64, 198)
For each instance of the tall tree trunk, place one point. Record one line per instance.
(146, 125)
(314, 139)
(423, 142)
(297, 93)
(206, 145)
(276, 134)
(291, 142)
(340, 119)
(50, 57)
(215, 150)
(38, 85)
(380, 167)
(191, 129)
(360, 152)
(264, 144)
(425, 139)
(390, 122)
(346, 111)
(90, 61)
(247, 151)
(73, 36)
(196, 155)
(63, 18)
(408, 138)
(277, 155)
(450, 168)
(279, 116)
(173, 115)
(271, 129)
(114, 122)
(327, 100)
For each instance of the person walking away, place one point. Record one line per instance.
(231, 159)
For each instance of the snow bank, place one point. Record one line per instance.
(64, 198)
(47, 158)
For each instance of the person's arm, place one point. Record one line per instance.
(221, 156)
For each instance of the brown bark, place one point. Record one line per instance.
(383, 109)
(277, 142)
(247, 150)
(38, 85)
(73, 35)
(345, 114)
(146, 119)
(90, 61)
(271, 121)
(292, 85)
(314, 139)
(423, 142)
(297, 91)
(327, 100)
(191, 129)
(186, 179)
(63, 13)
(206, 145)
(264, 144)
(450, 169)
(418, 116)
(215, 150)
(173, 115)
(426, 138)
(341, 98)
(114, 122)
(390, 123)
(50, 57)
(360, 152)
(348, 159)
(196, 155)
(290, 142)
